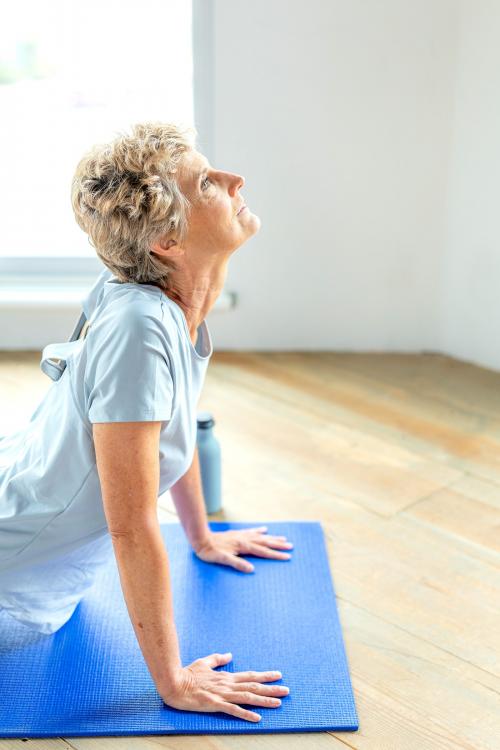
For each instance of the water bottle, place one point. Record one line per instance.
(210, 463)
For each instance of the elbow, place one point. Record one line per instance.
(118, 534)
(135, 531)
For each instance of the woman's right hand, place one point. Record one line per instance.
(198, 687)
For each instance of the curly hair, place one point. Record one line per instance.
(125, 196)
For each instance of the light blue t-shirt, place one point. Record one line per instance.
(136, 363)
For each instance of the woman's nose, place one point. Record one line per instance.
(237, 182)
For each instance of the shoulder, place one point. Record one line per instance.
(132, 317)
(132, 339)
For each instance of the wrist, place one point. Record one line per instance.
(169, 679)
(198, 543)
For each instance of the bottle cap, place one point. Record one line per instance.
(205, 420)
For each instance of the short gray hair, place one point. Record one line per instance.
(125, 196)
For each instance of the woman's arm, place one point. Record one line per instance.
(127, 457)
(145, 579)
(187, 494)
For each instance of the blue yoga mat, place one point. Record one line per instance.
(90, 678)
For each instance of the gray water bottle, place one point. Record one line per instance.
(210, 462)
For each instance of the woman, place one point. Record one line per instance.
(119, 426)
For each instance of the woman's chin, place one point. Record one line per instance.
(249, 222)
(253, 221)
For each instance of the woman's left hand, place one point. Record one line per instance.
(224, 547)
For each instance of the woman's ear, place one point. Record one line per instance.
(161, 245)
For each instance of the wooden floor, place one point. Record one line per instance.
(398, 456)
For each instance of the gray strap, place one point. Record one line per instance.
(78, 327)
(57, 352)
(61, 351)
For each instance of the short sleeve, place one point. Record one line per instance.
(128, 373)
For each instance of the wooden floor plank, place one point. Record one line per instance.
(460, 515)
(35, 744)
(408, 690)
(457, 438)
(295, 741)
(365, 468)
(463, 385)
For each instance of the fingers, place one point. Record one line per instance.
(256, 528)
(237, 562)
(215, 660)
(274, 541)
(256, 676)
(251, 694)
(261, 551)
(241, 713)
(251, 699)
(233, 561)
(224, 691)
(260, 689)
(269, 538)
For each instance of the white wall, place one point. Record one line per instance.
(470, 303)
(338, 115)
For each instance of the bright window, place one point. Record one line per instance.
(73, 74)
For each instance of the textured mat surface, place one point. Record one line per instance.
(90, 679)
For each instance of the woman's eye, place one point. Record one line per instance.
(206, 179)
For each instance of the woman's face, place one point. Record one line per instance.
(214, 222)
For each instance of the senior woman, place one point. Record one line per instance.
(119, 427)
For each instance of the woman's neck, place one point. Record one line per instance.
(196, 296)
